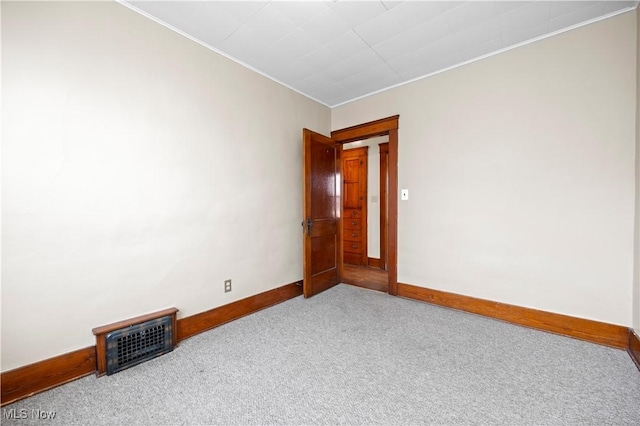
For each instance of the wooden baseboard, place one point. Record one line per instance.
(195, 324)
(373, 262)
(40, 376)
(634, 347)
(44, 375)
(25, 381)
(606, 334)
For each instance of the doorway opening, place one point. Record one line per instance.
(384, 277)
(364, 202)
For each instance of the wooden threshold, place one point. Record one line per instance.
(612, 335)
(34, 378)
(634, 347)
(366, 277)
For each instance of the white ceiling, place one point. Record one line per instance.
(338, 51)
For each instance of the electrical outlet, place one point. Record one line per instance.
(227, 286)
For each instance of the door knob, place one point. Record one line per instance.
(309, 224)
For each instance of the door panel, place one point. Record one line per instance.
(351, 169)
(323, 181)
(321, 208)
(323, 250)
(352, 195)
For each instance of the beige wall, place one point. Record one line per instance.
(636, 286)
(140, 171)
(520, 169)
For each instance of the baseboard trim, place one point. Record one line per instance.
(601, 333)
(373, 262)
(25, 381)
(30, 379)
(634, 347)
(196, 324)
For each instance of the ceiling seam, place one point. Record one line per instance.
(376, 53)
(244, 22)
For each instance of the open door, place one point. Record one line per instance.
(321, 208)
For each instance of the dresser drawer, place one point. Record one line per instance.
(352, 214)
(352, 247)
(352, 235)
(350, 223)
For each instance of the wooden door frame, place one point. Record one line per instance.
(384, 196)
(383, 127)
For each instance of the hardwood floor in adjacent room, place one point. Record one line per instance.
(367, 277)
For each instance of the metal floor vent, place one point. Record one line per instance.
(137, 343)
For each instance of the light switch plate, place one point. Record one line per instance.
(404, 194)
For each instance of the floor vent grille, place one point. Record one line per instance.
(138, 343)
(128, 343)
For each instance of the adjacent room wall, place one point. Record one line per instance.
(520, 168)
(140, 171)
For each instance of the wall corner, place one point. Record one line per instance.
(636, 237)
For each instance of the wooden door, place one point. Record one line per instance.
(322, 266)
(354, 196)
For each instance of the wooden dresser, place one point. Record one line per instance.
(352, 235)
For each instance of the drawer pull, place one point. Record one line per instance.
(354, 235)
(354, 223)
(354, 246)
